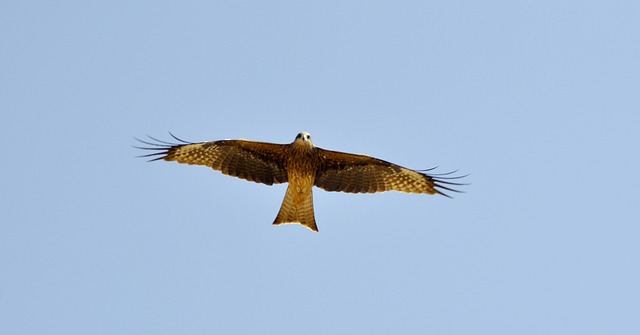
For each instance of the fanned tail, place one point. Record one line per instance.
(297, 208)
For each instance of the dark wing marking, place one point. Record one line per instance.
(343, 172)
(254, 161)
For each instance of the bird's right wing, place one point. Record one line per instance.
(345, 172)
(254, 161)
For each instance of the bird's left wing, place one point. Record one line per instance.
(344, 172)
(254, 161)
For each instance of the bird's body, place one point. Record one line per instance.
(303, 166)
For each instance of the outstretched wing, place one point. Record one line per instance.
(254, 161)
(343, 172)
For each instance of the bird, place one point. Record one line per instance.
(302, 165)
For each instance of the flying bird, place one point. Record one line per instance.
(303, 166)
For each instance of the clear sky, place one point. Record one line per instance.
(539, 101)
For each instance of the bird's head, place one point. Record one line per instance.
(304, 138)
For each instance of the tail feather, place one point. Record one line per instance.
(297, 208)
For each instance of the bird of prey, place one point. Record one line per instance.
(303, 166)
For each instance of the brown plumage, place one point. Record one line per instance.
(302, 165)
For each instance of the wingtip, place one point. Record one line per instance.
(163, 148)
(443, 182)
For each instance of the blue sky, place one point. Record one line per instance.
(537, 100)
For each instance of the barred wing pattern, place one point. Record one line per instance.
(253, 161)
(352, 173)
